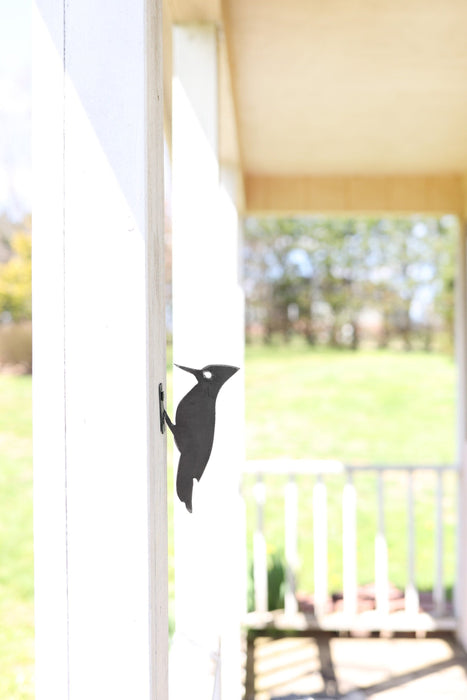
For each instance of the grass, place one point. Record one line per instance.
(16, 547)
(366, 407)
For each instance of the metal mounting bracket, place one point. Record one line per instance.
(161, 408)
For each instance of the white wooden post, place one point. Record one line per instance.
(291, 534)
(411, 593)
(243, 555)
(461, 350)
(99, 352)
(381, 554)
(438, 588)
(207, 329)
(349, 545)
(260, 557)
(320, 546)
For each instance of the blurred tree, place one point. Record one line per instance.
(444, 302)
(342, 271)
(275, 278)
(15, 279)
(400, 269)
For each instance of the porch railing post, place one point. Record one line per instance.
(320, 544)
(411, 594)
(260, 559)
(381, 554)
(326, 614)
(349, 545)
(291, 526)
(438, 589)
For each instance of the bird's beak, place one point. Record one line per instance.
(196, 372)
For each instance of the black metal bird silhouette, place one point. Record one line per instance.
(194, 426)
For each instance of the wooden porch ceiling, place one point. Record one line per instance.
(341, 106)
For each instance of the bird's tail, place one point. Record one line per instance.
(185, 483)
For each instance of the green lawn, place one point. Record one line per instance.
(366, 407)
(16, 547)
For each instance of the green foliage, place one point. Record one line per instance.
(15, 280)
(316, 276)
(276, 582)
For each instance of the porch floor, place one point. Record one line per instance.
(331, 666)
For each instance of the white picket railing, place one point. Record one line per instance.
(348, 619)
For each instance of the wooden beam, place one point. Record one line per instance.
(431, 194)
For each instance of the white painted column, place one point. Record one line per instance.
(207, 329)
(99, 352)
(461, 350)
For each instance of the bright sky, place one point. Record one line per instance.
(15, 107)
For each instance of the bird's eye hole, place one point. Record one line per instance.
(207, 374)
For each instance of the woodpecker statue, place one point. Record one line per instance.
(193, 430)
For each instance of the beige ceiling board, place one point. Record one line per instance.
(357, 194)
(347, 88)
(196, 11)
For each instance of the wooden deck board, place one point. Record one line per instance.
(369, 621)
(355, 668)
